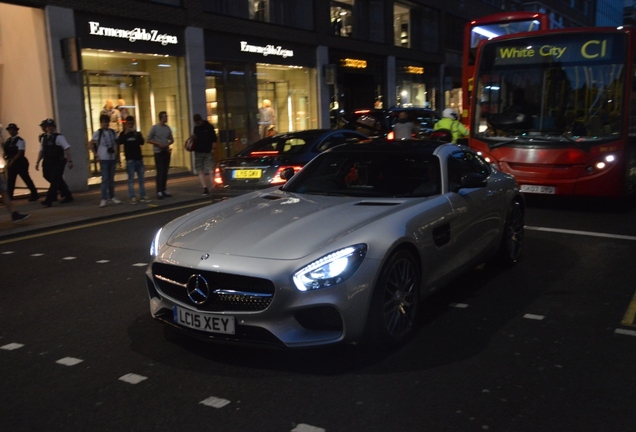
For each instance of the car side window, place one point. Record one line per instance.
(332, 141)
(293, 145)
(461, 163)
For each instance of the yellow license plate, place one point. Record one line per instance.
(247, 174)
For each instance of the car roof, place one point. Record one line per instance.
(384, 146)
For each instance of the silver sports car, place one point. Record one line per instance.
(343, 252)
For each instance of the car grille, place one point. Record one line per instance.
(229, 292)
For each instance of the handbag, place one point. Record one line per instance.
(190, 144)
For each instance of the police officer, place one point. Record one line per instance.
(17, 163)
(55, 153)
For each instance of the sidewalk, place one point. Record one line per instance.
(184, 189)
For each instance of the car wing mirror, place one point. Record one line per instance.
(287, 173)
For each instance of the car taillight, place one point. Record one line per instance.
(218, 180)
(277, 178)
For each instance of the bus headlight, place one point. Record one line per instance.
(601, 164)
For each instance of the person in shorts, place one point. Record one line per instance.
(205, 140)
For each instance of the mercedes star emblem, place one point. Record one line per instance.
(198, 289)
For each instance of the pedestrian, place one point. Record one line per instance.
(6, 200)
(160, 136)
(403, 128)
(104, 142)
(55, 153)
(450, 121)
(205, 139)
(132, 140)
(17, 163)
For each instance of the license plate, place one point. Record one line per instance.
(210, 323)
(247, 174)
(538, 189)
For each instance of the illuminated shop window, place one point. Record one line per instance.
(342, 17)
(401, 26)
(259, 10)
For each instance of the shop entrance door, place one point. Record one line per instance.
(278, 93)
(130, 92)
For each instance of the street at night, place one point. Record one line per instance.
(548, 344)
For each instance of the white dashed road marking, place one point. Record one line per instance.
(69, 258)
(7, 252)
(459, 305)
(102, 261)
(214, 402)
(534, 317)
(625, 332)
(583, 233)
(69, 361)
(11, 346)
(307, 428)
(140, 265)
(132, 378)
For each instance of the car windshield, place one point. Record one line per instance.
(277, 145)
(372, 174)
(545, 88)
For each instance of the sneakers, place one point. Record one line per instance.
(205, 192)
(144, 199)
(103, 203)
(133, 200)
(166, 194)
(159, 195)
(114, 201)
(18, 217)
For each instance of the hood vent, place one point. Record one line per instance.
(378, 203)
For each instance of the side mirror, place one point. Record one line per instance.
(287, 173)
(473, 180)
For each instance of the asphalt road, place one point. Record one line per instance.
(548, 345)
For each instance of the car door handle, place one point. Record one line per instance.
(442, 235)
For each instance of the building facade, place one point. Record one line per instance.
(311, 60)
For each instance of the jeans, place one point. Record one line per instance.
(162, 161)
(132, 167)
(108, 178)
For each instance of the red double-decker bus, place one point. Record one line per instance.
(557, 109)
(488, 27)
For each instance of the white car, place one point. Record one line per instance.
(344, 252)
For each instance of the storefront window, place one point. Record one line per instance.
(237, 95)
(341, 17)
(401, 26)
(415, 84)
(291, 91)
(140, 85)
(259, 10)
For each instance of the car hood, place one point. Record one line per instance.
(277, 225)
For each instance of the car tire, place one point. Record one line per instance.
(395, 302)
(513, 235)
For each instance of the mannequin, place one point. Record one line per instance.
(267, 117)
(114, 114)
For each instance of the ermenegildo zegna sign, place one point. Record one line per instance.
(243, 48)
(102, 32)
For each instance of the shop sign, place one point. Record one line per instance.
(133, 35)
(353, 63)
(266, 50)
(414, 70)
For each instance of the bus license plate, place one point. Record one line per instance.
(210, 323)
(247, 174)
(538, 189)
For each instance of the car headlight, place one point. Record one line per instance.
(331, 269)
(156, 244)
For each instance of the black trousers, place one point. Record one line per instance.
(20, 168)
(53, 172)
(162, 162)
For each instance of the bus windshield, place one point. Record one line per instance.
(555, 88)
